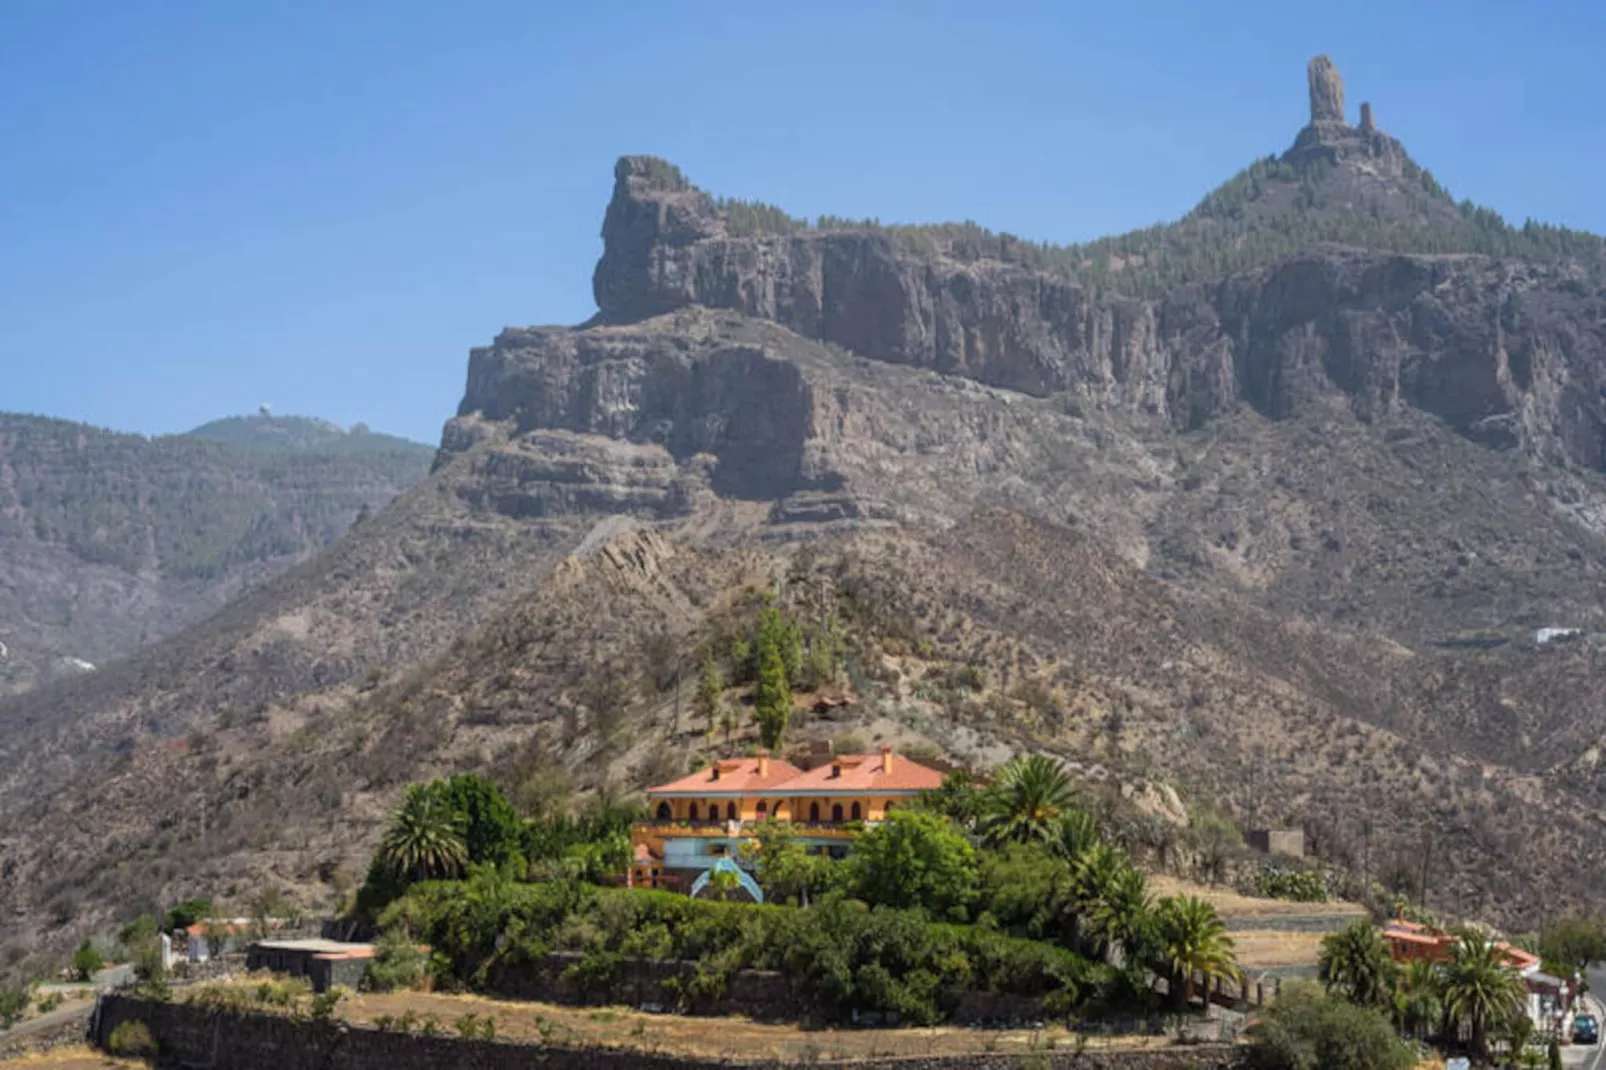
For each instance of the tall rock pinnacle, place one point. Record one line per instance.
(1326, 91)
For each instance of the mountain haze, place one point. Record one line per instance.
(1265, 504)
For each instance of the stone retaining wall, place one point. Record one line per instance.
(1291, 923)
(761, 994)
(199, 1038)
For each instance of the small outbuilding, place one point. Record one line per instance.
(322, 962)
(1289, 842)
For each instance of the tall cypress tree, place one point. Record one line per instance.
(772, 703)
(710, 691)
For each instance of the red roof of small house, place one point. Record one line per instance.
(1518, 959)
(200, 927)
(1412, 938)
(730, 776)
(863, 774)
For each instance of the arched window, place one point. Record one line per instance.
(814, 812)
(856, 812)
(836, 812)
(730, 811)
(691, 812)
(664, 812)
(763, 808)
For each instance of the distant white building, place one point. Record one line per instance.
(1556, 635)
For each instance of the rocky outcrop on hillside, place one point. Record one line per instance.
(1509, 353)
(1326, 91)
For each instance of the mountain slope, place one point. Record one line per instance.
(112, 541)
(1279, 536)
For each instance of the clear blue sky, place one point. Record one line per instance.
(324, 204)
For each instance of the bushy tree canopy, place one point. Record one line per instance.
(915, 859)
(1305, 1029)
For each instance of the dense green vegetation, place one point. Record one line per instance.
(1309, 1030)
(443, 828)
(1268, 210)
(844, 954)
(187, 507)
(1011, 888)
(1475, 991)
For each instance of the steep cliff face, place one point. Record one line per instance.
(1508, 352)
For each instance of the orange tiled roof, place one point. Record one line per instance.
(1407, 932)
(1412, 938)
(730, 776)
(862, 774)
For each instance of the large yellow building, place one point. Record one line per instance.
(701, 818)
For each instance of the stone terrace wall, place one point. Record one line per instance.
(196, 1037)
(761, 994)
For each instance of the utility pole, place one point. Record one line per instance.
(1366, 860)
(1427, 852)
(680, 660)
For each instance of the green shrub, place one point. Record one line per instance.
(13, 1002)
(187, 913)
(45, 1004)
(87, 961)
(397, 963)
(1295, 885)
(324, 1003)
(217, 996)
(132, 1038)
(1306, 1029)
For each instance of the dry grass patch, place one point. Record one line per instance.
(76, 1057)
(1262, 949)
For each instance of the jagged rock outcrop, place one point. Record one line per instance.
(1509, 353)
(1326, 91)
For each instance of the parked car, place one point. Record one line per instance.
(1586, 1030)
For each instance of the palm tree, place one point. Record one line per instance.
(1114, 899)
(1418, 1004)
(1075, 834)
(1192, 939)
(1480, 989)
(1026, 801)
(1356, 962)
(425, 838)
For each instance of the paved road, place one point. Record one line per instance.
(47, 1021)
(1592, 1057)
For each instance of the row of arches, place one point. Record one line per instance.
(853, 812)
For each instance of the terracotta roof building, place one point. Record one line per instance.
(703, 817)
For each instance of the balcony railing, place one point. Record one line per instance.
(830, 829)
